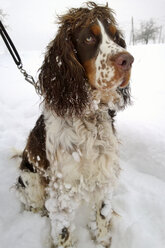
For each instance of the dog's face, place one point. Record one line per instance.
(86, 61)
(102, 53)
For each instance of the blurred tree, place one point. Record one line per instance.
(2, 15)
(148, 31)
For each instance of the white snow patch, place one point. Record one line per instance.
(38, 158)
(76, 156)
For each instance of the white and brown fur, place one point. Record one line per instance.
(71, 156)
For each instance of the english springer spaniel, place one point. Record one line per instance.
(71, 156)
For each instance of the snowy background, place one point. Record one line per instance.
(140, 197)
(32, 23)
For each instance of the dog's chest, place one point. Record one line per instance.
(82, 152)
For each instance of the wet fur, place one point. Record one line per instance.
(71, 155)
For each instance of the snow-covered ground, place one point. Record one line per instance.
(140, 196)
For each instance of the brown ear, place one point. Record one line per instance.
(119, 39)
(62, 79)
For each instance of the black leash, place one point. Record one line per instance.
(15, 55)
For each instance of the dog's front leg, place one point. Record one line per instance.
(61, 205)
(100, 224)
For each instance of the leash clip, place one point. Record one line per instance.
(27, 77)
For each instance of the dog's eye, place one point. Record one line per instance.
(90, 40)
(112, 30)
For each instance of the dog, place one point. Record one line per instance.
(71, 156)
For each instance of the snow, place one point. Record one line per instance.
(76, 156)
(139, 199)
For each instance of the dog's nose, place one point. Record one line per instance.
(124, 61)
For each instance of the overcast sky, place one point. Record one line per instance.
(31, 22)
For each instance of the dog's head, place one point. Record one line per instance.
(88, 55)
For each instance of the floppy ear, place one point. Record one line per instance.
(62, 79)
